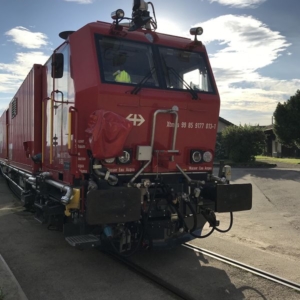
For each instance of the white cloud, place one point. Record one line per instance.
(11, 75)
(168, 27)
(247, 46)
(26, 38)
(8, 82)
(240, 3)
(81, 1)
(262, 97)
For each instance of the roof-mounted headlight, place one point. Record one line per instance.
(196, 31)
(118, 14)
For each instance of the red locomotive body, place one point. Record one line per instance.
(115, 136)
(87, 50)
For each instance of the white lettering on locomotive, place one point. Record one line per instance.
(170, 124)
(193, 168)
(193, 125)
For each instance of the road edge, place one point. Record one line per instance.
(9, 284)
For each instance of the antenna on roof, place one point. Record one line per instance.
(141, 16)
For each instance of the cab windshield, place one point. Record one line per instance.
(143, 65)
(182, 68)
(126, 62)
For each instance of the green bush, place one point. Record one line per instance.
(242, 143)
(220, 152)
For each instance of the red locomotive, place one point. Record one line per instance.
(112, 140)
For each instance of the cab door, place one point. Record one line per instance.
(60, 97)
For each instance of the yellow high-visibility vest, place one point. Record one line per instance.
(123, 76)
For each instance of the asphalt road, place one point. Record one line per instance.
(266, 237)
(48, 268)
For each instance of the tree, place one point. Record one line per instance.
(287, 121)
(242, 143)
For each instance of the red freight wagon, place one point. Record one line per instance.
(3, 135)
(113, 139)
(25, 122)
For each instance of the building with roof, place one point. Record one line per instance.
(222, 124)
(276, 149)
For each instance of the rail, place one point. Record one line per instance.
(176, 291)
(235, 263)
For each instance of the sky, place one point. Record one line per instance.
(253, 45)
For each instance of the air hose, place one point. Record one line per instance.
(195, 224)
(190, 231)
(230, 225)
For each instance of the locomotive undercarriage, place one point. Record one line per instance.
(167, 213)
(158, 210)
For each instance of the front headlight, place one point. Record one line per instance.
(125, 157)
(207, 156)
(109, 160)
(196, 156)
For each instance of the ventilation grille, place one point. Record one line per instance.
(14, 107)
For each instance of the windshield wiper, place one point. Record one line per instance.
(187, 86)
(138, 87)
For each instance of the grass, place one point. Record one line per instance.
(250, 163)
(263, 162)
(292, 161)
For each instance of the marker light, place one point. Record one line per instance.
(196, 31)
(118, 14)
(196, 156)
(125, 158)
(109, 160)
(207, 156)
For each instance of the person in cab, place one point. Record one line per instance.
(122, 76)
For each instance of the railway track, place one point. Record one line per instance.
(161, 283)
(179, 294)
(237, 264)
